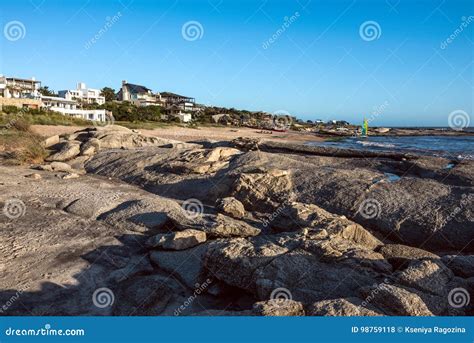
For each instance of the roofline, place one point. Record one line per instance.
(20, 79)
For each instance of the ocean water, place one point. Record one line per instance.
(455, 147)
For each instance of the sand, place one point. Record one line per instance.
(191, 134)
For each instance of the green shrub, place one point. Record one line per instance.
(10, 109)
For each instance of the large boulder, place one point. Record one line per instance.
(90, 147)
(201, 161)
(68, 151)
(143, 295)
(264, 190)
(430, 276)
(227, 227)
(235, 261)
(187, 265)
(231, 207)
(177, 240)
(216, 226)
(278, 307)
(395, 300)
(342, 307)
(295, 216)
(461, 265)
(400, 255)
(50, 141)
(61, 167)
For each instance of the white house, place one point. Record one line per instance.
(17, 88)
(69, 108)
(184, 117)
(83, 94)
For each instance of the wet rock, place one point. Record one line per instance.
(278, 307)
(342, 307)
(177, 240)
(231, 207)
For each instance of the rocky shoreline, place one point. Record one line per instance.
(241, 227)
(399, 132)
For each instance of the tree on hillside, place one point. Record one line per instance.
(46, 91)
(108, 93)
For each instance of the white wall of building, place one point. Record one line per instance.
(94, 115)
(88, 95)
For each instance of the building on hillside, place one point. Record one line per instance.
(168, 99)
(175, 111)
(13, 87)
(69, 108)
(49, 102)
(137, 94)
(83, 94)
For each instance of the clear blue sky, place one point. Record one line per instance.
(318, 67)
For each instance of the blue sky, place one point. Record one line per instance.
(319, 66)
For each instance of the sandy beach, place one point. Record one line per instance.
(190, 134)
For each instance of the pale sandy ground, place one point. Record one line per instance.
(188, 134)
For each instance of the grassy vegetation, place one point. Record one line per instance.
(18, 145)
(39, 118)
(145, 125)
